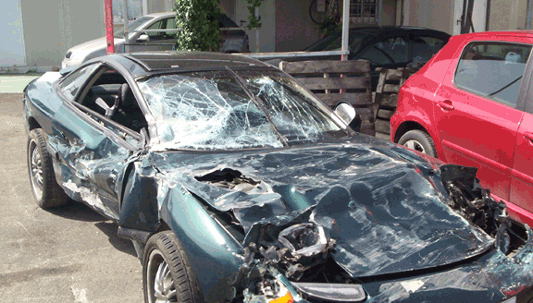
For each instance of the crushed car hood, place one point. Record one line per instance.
(380, 203)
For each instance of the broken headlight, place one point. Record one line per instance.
(332, 292)
(304, 240)
(268, 291)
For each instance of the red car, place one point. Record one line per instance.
(472, 104)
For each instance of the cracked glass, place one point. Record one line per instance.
(225, 110)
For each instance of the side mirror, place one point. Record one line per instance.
(143, 38)
(347, 113)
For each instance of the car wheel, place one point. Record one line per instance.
(167, 276)
(43, 182)
(420, 141)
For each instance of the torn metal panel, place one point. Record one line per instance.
(372, 199)
(214, 254)
(490, 278)
(139, 205)
(89, 166)
(381, 215)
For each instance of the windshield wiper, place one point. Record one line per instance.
(259, 103)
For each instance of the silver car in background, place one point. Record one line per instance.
(160, 35)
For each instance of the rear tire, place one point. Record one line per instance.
(167, 275)
(420, 141)
(47, 192)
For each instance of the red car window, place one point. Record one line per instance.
(493, 70)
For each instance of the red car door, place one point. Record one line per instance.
(522, 172)
(475, 112)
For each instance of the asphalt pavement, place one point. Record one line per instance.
(70, 254)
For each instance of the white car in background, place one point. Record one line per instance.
(160, 36)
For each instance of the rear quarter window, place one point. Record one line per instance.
(492, 70)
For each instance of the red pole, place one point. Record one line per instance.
(108, 11)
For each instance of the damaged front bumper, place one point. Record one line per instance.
(493, 277)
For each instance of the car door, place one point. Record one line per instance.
(91, 153)
(522, 171)
(475, 110)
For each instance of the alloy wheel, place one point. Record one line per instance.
(160, 281)
(36, 171)
(415, 145)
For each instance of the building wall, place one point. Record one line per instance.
(159, 6)
(51, 27)
(12, 42)
(508, 14)
(434, 14)
(294, 28)
(389, 12)
(228, 7)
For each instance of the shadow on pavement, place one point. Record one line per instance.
(110, 229)
(77, 211)
(80, 212)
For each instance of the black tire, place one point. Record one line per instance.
(45, 189)
(164, 257)
(420, 141)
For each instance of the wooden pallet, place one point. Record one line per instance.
(386, 98)
(334, 81)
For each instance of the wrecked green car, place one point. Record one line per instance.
(236, 184)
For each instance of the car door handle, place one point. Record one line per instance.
(446, 105)
(529, 136)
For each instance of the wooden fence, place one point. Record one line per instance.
(334, 81)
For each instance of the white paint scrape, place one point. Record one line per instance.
(412, 286)
(80, 295)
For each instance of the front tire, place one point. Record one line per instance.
(47, 192)
(167, 275)
(420, 141)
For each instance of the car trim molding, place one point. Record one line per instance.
(479, 158)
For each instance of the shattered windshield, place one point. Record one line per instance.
(228, 110)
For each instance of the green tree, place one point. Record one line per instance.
(198, 20)
(254, 22)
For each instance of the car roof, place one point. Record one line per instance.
(370, 33)
(179, 61)
(509, 33)
(164, 14)
(378, 30)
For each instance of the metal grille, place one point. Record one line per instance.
(364, 12)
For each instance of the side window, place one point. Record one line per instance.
(72, 83)
(157, 25)
(390, 51)
(424, 47)
(493, 70)
(169, 23)
(110, 96)
(376, 56)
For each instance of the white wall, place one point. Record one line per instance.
(52, 27)
(12, 42)
(267, 32)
